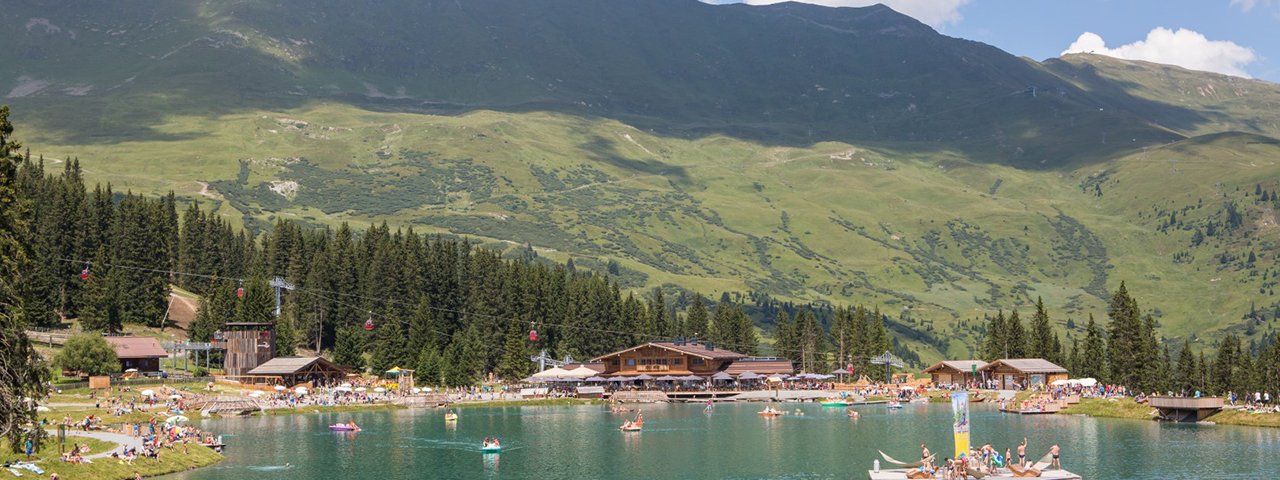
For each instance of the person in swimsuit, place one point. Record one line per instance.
(924, 455)
(1022, 453)
(1055, 451)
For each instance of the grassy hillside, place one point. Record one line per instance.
(842, 155)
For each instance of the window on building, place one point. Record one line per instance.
(631, 362)
(677, 361)
(697, 361)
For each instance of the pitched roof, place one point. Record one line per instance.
(136, 347)
(761, 367)
(1027, 365)
(964, 366)
(290, 365)
(695, 349)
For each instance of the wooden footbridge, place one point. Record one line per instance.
(1185, 409)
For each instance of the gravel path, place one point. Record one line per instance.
(121, 440)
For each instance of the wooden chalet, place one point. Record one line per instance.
(142, 353)
(955, 372)
(685, 358)
(1015, 373)
(668, 358)
(294, 370)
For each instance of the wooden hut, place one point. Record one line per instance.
(955, 372)
(1014, 373)
(295, 370)
(141, 353)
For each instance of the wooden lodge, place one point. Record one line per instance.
(248, 345)
(686, 358)
(955, 372)
(1015, 373)
(292, 371)
(668, 358)
(141, 353)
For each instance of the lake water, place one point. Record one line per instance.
(681, 441)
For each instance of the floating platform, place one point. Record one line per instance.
(1185, 409)
(901, 474)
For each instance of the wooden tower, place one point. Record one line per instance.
(248, 345)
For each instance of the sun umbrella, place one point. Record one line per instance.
(841, 371)
(176, 419)
(147, 393)
(1059, 383)
(342, 389)
(1088, 382)
(596, 379)
(417, 390)
(722, 376)
(394, 371)
(622, 379)
(691, 378)
(379, 390)
(175, 397)
(42, 408)
(345, 385)
(302, 390)
(256, 394)
(667, 378)
(643, 377)
(748, 376)
(361, 389)
(427, 390)
(131, 370)
(582, 372)
(281, 388)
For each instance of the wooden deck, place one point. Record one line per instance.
(1185, 409)
(901, 474)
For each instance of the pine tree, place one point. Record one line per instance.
(22, 372)
(347, 347)
(785, 344)
(104, 307)
(1093, 360)
(514, 364)
(1125, 349)
(1015, 337)
(1185, 375)
(697, 323)
(994, 342)
(1042, 336)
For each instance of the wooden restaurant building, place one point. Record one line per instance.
(956, 372)
(140, 353)
(1013, 373)
(685, 358)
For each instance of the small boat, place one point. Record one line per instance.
(894, 404)
(491, 448)
(450, 417)
(342, 427)
(633, 425)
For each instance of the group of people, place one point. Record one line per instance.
(491, 442)
(984, 460)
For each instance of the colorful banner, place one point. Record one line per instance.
(960, 421)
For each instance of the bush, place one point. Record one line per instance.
(89, 354)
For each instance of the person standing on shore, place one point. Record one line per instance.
(1055, 451)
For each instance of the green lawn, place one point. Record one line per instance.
(1110, 408)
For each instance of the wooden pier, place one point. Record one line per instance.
(1185, 409)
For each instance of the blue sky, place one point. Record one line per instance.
(1237, 37)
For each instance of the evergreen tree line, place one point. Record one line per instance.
(855, 336)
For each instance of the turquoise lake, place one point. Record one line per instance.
(681, 441)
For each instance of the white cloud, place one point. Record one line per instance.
(1244, 5)
(1184, 48)
(935, 13)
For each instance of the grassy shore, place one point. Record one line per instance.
(1110, 408)
(171, 460)
(1240, 417)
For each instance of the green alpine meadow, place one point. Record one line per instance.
(775, 154)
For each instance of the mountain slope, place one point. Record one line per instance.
(841, 155)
